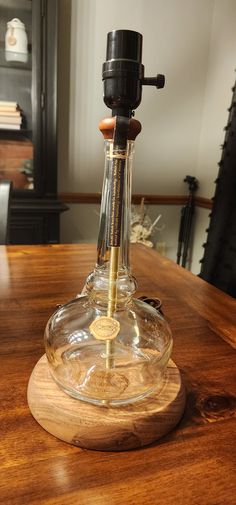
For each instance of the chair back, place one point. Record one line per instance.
(5, 195)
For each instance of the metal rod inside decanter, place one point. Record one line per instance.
(112, 298)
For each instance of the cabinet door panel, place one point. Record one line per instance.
(16, 134)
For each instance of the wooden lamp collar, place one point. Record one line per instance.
(107, 127)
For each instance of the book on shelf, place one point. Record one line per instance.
(7, 126)
(8, 103)
(8, 106)
(12, 113)
(10, 119)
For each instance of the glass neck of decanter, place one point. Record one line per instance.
(103, 248)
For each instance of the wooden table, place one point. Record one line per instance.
(195, 464)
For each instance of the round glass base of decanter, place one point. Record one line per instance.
(130, 379)
(81, 365)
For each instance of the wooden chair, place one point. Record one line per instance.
(5, 195)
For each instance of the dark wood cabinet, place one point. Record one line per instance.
(28, 155)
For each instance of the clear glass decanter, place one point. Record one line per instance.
(126, 361)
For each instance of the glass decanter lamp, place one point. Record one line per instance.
(106, 381)
(107, 347)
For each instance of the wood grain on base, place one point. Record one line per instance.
(101, 428)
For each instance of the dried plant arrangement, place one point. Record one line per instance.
(142, 228)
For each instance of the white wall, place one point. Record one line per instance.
(176, 39)
(193, 44)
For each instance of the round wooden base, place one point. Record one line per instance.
(102, 428)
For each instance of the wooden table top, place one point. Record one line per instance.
(194, 464)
